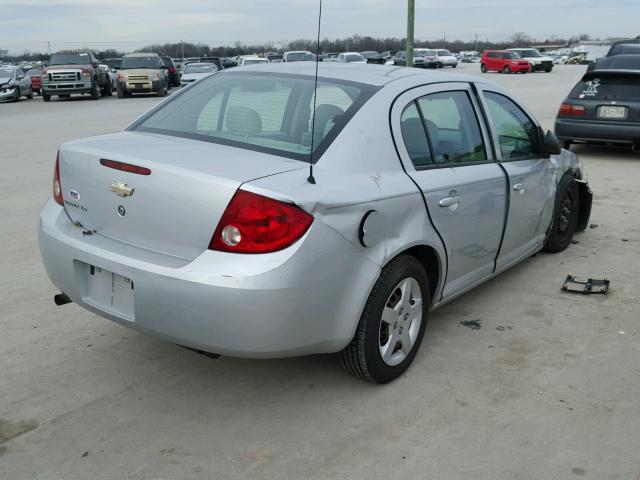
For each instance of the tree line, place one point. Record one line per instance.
(352, 43)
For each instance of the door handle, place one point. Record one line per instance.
(449, 201)
(519, 187)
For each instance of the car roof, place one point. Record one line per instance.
(619, 62)
(377, 75)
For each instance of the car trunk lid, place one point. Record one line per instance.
(176, 207)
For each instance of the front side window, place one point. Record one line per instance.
(265, 112)
(453, 128)
(517, 134)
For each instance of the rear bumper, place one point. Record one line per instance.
(305, 299)
(596, 131)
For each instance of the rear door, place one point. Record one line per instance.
(531, 177)
(445, 152)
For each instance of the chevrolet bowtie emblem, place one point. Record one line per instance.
(121, 189)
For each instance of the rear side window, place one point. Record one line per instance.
(415, 136)
(517, 134)
(612, 88)
(265, 112)
(453, 128)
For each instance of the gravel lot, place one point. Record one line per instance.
(548, 388)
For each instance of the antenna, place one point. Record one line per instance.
(310, 178)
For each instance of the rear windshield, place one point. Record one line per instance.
(510, 55)
(421, 52)
(264, 112)
(70, 59)
(198, 68)
(300, 57)
(354, 57)
(140, 62)
(445, 53)
(618, 88)
(624, 48)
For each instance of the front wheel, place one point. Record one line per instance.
(18, 95)
(46, 97)
(565, 216)
(392, 324)
(95, 91)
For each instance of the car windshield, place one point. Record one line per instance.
(70, 59)
(299, 57)
(607, 88)
(202, 68)
(113, 62)
(266, 112)
(422, 52)
(353, 57)
(252, 61)
(139, 62)
(445, 53)
(370, 54)
(529, 53)
(511, 55)
(6, 73)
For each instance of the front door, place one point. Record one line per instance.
(464, 188)
(531, 180)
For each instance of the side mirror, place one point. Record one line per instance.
(551, 144)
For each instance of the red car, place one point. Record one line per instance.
(34, 75)
(503, 61)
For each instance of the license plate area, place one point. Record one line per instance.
(612, 112)
(110, 292)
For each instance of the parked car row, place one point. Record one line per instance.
(515, 60)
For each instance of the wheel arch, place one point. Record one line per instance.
(430, 260)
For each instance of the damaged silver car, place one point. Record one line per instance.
(202, 224)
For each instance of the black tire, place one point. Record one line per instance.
(567, 144)
(120, 93)
(30, 96)
(109, 90)
(506, 69)
(95, 90)
(362, 357)
(162, 92)
(18, 95)
(483, 68)
(46, 97)
(565, 215)
(454, 66)
(548, 69)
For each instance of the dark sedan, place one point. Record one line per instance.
(604, 106)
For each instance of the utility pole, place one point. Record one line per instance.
(475, 44)
(444, 39)
(182, 48)
(49, 44)
(411, 15)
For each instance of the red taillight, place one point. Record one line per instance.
(569, 109)
(57, 188)
(172, 69)
(256, 224)
(125, 167)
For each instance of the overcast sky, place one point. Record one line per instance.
(129, 24)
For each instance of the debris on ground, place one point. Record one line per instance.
(593, 225)
(574, 242)
(472, 324)
(574, 284)
(501, 327)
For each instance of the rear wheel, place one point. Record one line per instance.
(392, 323)
(483, 68)
(46, 97)
(565, 216)
(162, 92)
(109, 90)
(30, 96)
(548, 69)
(506, 69)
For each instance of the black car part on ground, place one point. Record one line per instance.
(585, 286)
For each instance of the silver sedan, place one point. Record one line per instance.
(202, 223)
